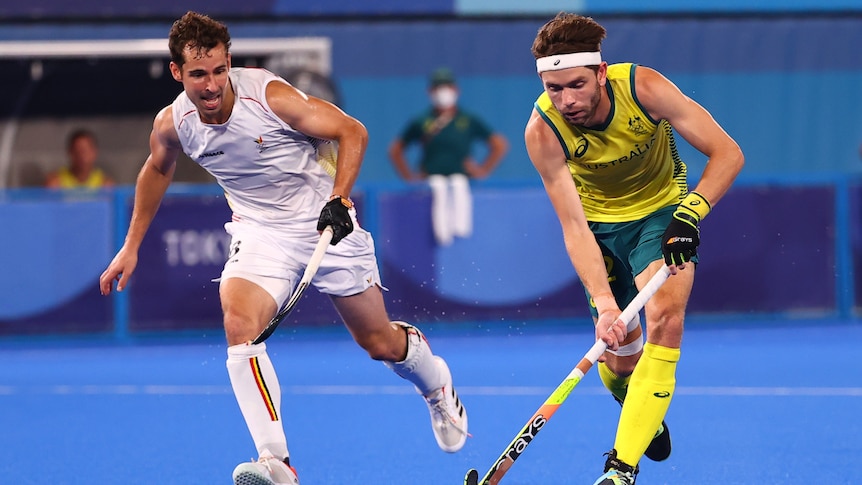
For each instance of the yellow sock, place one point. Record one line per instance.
(649, 394)
(614, 383)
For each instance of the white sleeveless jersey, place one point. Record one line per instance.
(269, 171)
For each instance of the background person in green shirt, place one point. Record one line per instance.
(447, 135)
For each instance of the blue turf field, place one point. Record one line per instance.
(765, 403)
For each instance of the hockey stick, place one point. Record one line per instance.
(541, 417)
(310, 271)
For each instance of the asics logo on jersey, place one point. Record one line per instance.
(581, 149)
(210, 154)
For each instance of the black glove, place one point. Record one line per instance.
(680, 239)
(682, 236)
(336, 214)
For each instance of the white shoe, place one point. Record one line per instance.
(267, 470)
(448, 416)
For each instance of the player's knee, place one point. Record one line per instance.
(384, 346)
(622, 366)
(382, 351)
(665, 328)
(238, 329)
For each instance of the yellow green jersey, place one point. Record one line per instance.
(626, 168)
(68, 180)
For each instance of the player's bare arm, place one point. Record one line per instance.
(399, 161)
(547, 156)
(152, 183)
(322, 119)
(497, 148)
(663, 100)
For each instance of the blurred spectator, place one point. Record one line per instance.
(446, 135)
(81, 171)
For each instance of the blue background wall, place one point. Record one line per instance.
(785, 87)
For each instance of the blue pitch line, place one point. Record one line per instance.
(361, 390)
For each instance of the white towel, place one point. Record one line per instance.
(451, 207)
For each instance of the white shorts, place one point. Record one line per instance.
(275, 257)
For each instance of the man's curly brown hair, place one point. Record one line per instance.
(568, 33)
(197, 32)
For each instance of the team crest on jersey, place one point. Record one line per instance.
(636, 125)
(261, 146)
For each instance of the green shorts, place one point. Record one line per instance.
(628, 248)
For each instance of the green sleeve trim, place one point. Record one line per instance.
(554, 128)
(635, 94)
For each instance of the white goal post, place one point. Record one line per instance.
(313, 53)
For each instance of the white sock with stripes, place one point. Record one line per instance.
(258, 393)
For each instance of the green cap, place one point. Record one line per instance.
(442, 76)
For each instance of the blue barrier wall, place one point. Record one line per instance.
(766, 251)
(50, 254)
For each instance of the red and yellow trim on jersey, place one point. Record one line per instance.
(264, 390)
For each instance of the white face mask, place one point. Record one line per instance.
(444, 97)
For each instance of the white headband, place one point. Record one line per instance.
(565, 61)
